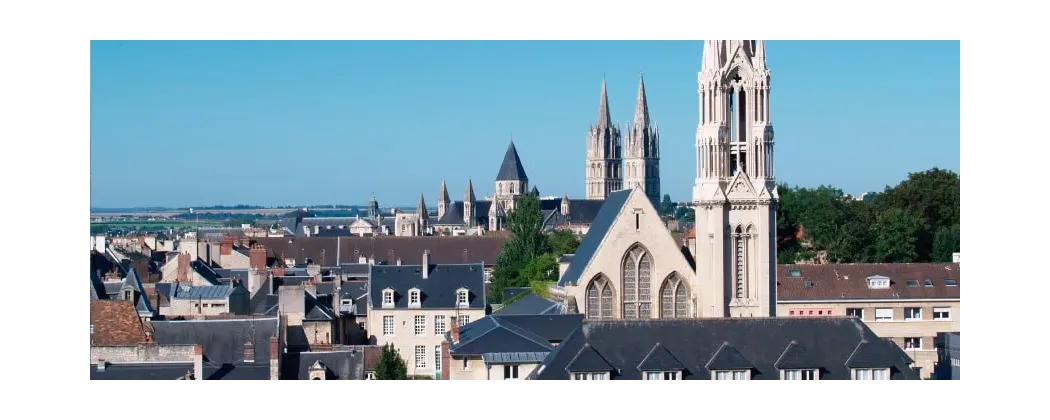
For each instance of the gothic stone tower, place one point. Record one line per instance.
(604, 162)
(641, 163)
(735, 193)
(511, 184)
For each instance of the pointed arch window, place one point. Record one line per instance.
(637, 270)
(674, 297)
(599, 299)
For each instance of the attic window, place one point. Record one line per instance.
(388, 298)
(950, 283)
(913, 283)
(927, 283)
(413, 297)
(807, 284)
(794, 273)
(92, 328)
(878, 282)
(461, 298)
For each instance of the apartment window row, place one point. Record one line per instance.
(875, 374)
(812, 312)
(663, 376)
(590, 376)
(732, 375)
(420, 324)
(910, 314)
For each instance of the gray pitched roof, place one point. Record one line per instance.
(587, 359)
(202, 292)
(338, 365)
(581, 211)
(530, 304)
(701, 345)
(438, 290)
(795, 357)
(514, 357)
(221, 339)
(514, 333)
(660, 359)
(511, 169)
(591, 241)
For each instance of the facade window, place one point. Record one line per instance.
(590, 376)
(599, 299)
(637, 269)
(420, 325)
(732, 375)
(463, 320)
(439, 324)
(413, 297)
(437, 358)
(911, 343)
(461, 298)
(799, 374)
(388, 298)
(369, 376)
(871, 374)
(674, 298)
(942, 314)
(421, 356)
(884, 314)
(912, 314)
(857, 312)
(510, 371)
(512, 188)
(361, 325)
(662, 376)
(388, 325)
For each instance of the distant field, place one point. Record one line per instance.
(169, 213)
(152, 224)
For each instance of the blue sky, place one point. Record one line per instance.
(308, 123)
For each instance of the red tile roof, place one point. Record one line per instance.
(850, 281)
(116, 323)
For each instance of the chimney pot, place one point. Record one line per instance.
(426, 264)
(249, 352)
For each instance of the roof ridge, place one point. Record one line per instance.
(521, 332)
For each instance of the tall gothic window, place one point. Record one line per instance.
(599, 299)
(637, 269)
(740, 261)
(674, 297)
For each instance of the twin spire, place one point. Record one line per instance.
(641, 107)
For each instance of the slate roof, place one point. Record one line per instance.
(530, 304)
(850, 281)
(438, 290)
(660, 359)
(387, 249)
(514, 334)
(581, 211)
(173, 371)
(514, 291)
(221, 339)
(513, 357)
(454, 214)
(702, 345)
(202, 292)
(511, 169)
(595, 234)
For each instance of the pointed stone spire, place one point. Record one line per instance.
(469, 197)
(421, 209)
(641, 107)
(604, 118)
(444, 193)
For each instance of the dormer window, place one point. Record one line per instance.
(590, 376)
(878, 282)
(799, 374)
(413, 297)
(732, 375)
(869, 374)
(663, 376)
(388, 298)
(462, 296)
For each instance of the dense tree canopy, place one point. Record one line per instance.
(391, 366)
(527, 243)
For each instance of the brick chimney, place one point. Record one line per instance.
(257, 257)
(198, 362)
(249, 352)
(488, 288)
(426, 263)
(446, 360)
(455, 331)
(183, 271)
(226, 246)
(275, 354)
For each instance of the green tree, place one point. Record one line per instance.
(391, 366)
(933, 195)
(684, 214)
(895, 239)
(563, 241)
(527, 241)
(667, 207)
(543, 268)
(945, 243)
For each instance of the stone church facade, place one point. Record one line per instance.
(629, 266)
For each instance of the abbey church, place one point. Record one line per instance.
(628, 266)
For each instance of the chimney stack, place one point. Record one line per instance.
(275, 354)
(446, 360)
(183, 270)
(455, 330)
(249, 352)
(226, 246)
(257, 257)
(488, 288)
(426, 263)
(198, 362)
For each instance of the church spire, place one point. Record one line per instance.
(421, 209)
(470, 198)
(443, 197)
(641, 107)
(604, 117)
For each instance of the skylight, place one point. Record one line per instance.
(913, 283)
(794, 273)
(950, 283)
(927, 283)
